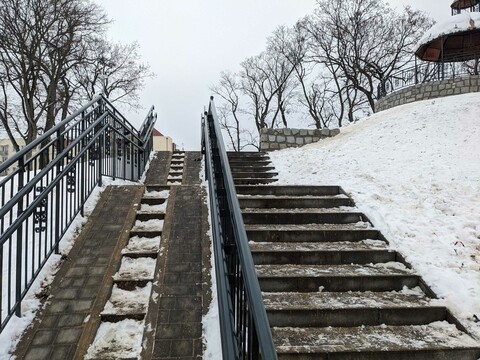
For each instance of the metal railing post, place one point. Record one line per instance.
(18, 282)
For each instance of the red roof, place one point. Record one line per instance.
(155, 132)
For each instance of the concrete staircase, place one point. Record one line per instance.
(331, 286)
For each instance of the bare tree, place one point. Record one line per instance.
(51, 53)
(228, 89)
(363, 41)
(112, 69)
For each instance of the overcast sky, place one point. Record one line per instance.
(189, 42)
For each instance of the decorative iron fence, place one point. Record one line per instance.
(49, 183)
(423, 73)
(244, 325)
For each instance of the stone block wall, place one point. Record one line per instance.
(278, 139)
(431, 90)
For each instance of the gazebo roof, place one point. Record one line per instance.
(464, 4)
(459, 38)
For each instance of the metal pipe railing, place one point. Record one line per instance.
(244, 325)
(41, 197)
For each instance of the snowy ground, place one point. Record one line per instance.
(415, 172)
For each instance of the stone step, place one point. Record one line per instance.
(435, 341)
(281, 202)
(337, 253)
(351, 309)
(253, 181)
(392, 276)
(232, 154)
(248, 157)
(250, 162)
(251, 169)
(287, 190)
(301, 216)
(312, 233)
(254, 175)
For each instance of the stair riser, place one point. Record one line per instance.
(338, 283)
(145, 234)
(311, 236)
(253, 181)
(150, 216)
(356, 317)
(294, 203)
(153, 201)
(323, 257)
(446, 354)
(251, 169)
(158, 188)
(250, 175)
(290, 190)
(250, 162)
(302, 218)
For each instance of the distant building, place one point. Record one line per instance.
(162, 142)
(7, 151)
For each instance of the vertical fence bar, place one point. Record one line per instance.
(18, 289)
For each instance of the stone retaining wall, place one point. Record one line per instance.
(277, 139)
(431, 90)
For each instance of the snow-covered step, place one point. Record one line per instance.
(252, 174)
(310, 278)
(301, 216)
(153, 225)
(312, 232)
(290, 190)
(135, 272)
(253, 181)
(282, 202)
(117, 340)
(327, 253)
(142, 247)
(436, 341)
(148, 208)
(319, 309)
(127, 304)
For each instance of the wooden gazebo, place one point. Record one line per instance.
(456, 41)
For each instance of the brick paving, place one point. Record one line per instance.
(178, 317)
(79, 285)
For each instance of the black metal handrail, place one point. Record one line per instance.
(422, 73)
(244, 326)
(49, 182)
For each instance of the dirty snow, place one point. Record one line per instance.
(136, 269)
(128, 301)
(149, 225)
(120, 340)
(138, 244)
(414, 170)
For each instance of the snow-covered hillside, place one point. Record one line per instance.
(415, 172)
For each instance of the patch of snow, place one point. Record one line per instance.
(142, 244)
(149, 225)
(157, 194)
(161, 208)
(128, 301)
(211, 321)
(136, 269)
(119, 340)
(455, 24)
